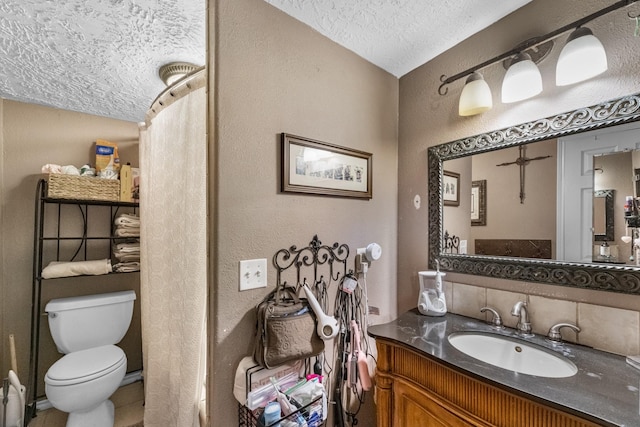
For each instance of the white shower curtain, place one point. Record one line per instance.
(173, 154)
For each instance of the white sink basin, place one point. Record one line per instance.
(513, 354)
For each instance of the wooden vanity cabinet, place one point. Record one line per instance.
(413, 390)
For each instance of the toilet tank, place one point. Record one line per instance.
(79, 323)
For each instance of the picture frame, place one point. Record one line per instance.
(322, 168)
(479, 202)
(451, 188)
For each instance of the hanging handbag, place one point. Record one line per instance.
(286, 329)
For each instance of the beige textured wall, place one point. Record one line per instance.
(508, 218)
(273, 74)
(32, 136)
(427, 119)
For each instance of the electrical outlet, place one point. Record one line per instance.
(253, 274)
(361, 263)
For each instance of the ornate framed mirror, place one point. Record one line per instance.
(607, 277)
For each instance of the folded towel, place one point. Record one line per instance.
(127, 232)
(126, 267)
(127, 257)
(127, 251)
(127, 220)
(128, 225)
(127, 247)
(77, 268)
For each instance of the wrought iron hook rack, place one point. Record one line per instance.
(312, 257)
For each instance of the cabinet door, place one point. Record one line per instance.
(414, 408)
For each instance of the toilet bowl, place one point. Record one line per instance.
(82, 382)
(86, 330)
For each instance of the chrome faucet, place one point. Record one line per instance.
(496, 320)
(523, 326)
(554, 332)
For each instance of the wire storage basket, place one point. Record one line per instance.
(310, 415)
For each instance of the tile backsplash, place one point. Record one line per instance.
(467, 300)
(605, 328)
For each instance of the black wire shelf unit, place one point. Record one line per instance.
(53, 241)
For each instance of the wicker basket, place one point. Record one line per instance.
(73, 187)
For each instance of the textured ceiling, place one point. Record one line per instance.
(398, 35)
(99, 56)
(102, 56)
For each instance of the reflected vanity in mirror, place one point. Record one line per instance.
(543, 196)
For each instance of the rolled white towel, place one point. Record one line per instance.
(77, 268)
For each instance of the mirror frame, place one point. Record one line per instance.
(615, 278)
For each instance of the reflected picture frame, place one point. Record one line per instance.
(322, 168)
(479, 202)
(450, 188)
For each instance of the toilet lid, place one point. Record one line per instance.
(85, 365)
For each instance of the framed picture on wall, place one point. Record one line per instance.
(315, 167)
(451, 188)
(479, 202)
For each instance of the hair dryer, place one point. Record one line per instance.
(327, 325)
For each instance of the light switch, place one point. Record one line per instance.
(253, 274)
(463, 247)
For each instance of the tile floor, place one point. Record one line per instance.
(128, 401)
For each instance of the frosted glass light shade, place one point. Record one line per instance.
(475, 97)
(582, 58)
(522, 80)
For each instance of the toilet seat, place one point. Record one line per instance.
(85, 365)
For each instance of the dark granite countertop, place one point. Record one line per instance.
(605, 389)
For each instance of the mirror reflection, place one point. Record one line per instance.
(603, 218)
(558, 199)
(615, 181)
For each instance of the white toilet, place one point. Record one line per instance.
(86, 330)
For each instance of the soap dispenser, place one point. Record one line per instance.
(431, 301)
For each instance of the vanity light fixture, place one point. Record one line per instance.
(475, 97)
(580, 40)
(522, 80)
(582, 58)
(174, 71)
